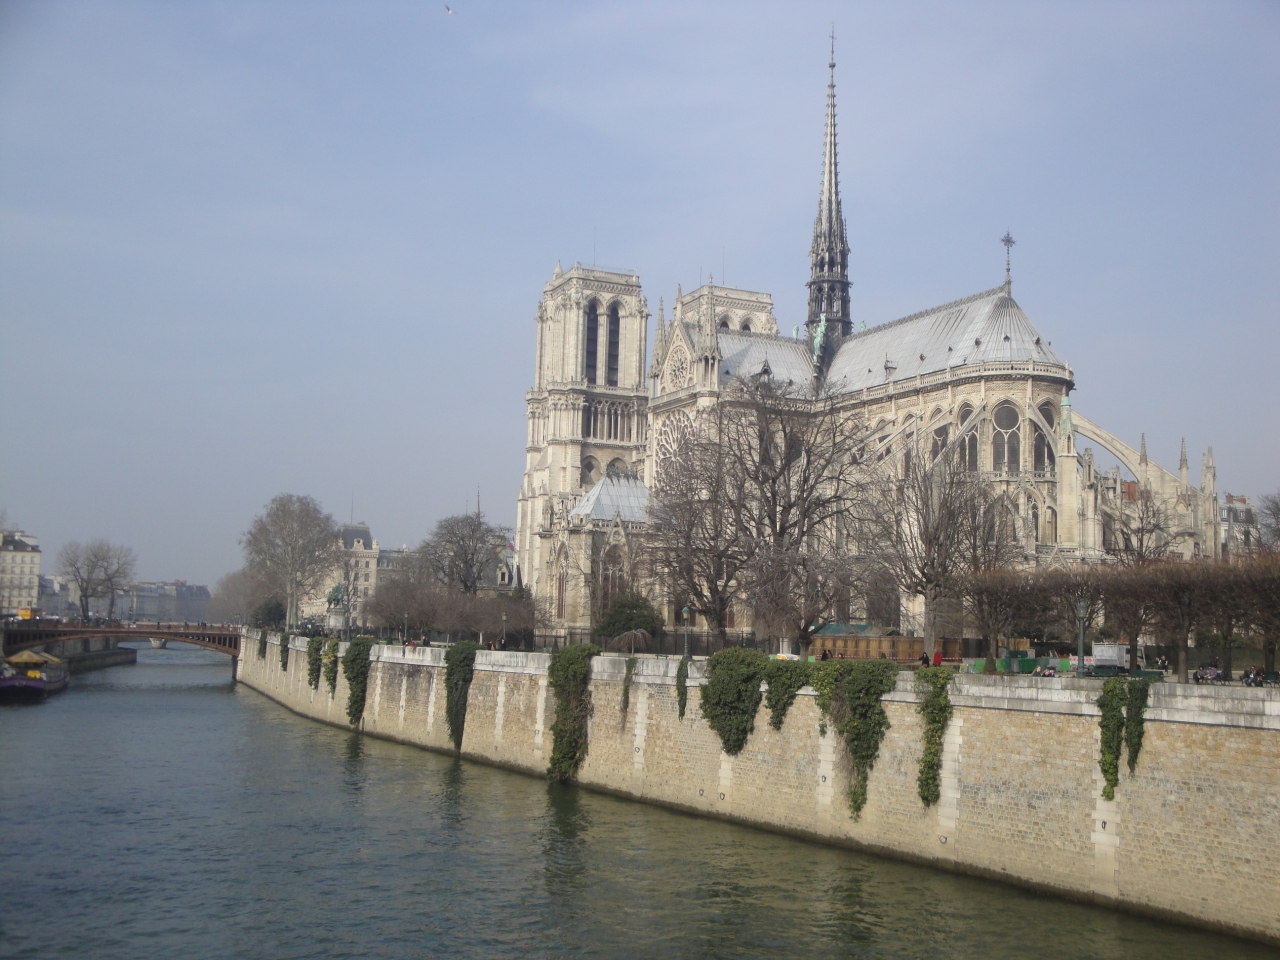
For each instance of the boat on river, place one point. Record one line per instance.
(31, 676)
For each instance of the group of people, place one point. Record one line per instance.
(1254, 677)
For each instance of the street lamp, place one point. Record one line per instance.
(1082, 613)
(686, 632)
(504, 629)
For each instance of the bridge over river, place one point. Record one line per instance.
(22, 635)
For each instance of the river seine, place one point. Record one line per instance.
(159, 811)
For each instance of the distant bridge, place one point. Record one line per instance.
(24, 634)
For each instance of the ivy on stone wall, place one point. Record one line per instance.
(262, 644)
(682, 684)
(355, 667)
(459, 667)
(329, 661)
(1111, 703)
(315, 649)
(626, 687)
(1135, 713)
(935, 707)
(785, 678)
(284, 652)
(849, 693)
(731, 695)
(1124, 706)
(569, 675)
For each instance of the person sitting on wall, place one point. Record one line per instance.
(1050, 671)
(924, 659)
(826, 654)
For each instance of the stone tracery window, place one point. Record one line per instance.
(673, 434)
(675, 373)
(612, 576)
(1006, 455)
(562, 587)
(1044, 459)
(615, 329)
(592, 349)
(968, 443)
(941, 437)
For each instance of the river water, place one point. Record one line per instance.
(160, 811)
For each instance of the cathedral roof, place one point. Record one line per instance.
(746, 354)
(616, 495)
(987, 327)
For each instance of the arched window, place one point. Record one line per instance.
(746, 328)
(1006, 454)
(593, 340)
(969, 442)
(1050, 525)
(590, 472)
(612, 577)
(1044, 459)
(724, 324)
(1035, 521)
(562, 588)
(615, 328)
(940, 437)
(1047, 412)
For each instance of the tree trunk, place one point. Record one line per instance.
(1182, 656)
(1226, 653)
(1269, 656)
(993, 654)
(1133, 651)
(930, 625)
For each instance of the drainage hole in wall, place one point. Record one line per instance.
(722, 796)
(942, 839)
(699, 793)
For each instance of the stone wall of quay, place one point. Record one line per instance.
(1193, 835)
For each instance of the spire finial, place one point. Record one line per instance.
(832, 64)
(1008, 242)
(829, 251)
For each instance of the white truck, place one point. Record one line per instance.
(1115, 655)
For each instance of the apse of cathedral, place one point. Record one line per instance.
(974, 374)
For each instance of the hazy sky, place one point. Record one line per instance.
(249, 248)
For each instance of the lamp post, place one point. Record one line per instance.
(1082, 612)
(686, 632)
(504, 629)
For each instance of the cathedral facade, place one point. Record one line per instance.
(973, 375)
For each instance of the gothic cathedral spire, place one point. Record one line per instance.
(829, 253)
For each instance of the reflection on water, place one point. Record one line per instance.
(182, 816)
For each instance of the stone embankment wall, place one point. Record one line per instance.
(1192, 835)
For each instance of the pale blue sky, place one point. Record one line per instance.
(248, 248)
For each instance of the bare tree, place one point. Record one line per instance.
(696, 542)
(411, 595)
(116, 570)
(235, 596)
(1181, 598)
(1260, 589)
(993, 597)
(1146, 532)
(80, 565)
(291, 548)
(1269, 522)
(932, 521)
(464, 548)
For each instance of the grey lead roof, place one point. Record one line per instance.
(622, 496)
(986, 327)
(745, 354)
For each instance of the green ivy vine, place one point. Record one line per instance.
(1111, 703)
(262, 644)
(682, 684)
(935, 707)
(849, 693)
(329, 661)
(626, 687)
(1135, 713)
(459, 667)
(355, 667)
(731, 695)
(284, 652)
(315, 650)
(1123, 704)
(569, 674)
(785, 678)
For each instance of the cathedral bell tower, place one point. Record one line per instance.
(828, 318)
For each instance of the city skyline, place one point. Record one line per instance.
(237, 244)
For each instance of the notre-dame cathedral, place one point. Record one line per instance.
(974, 373)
